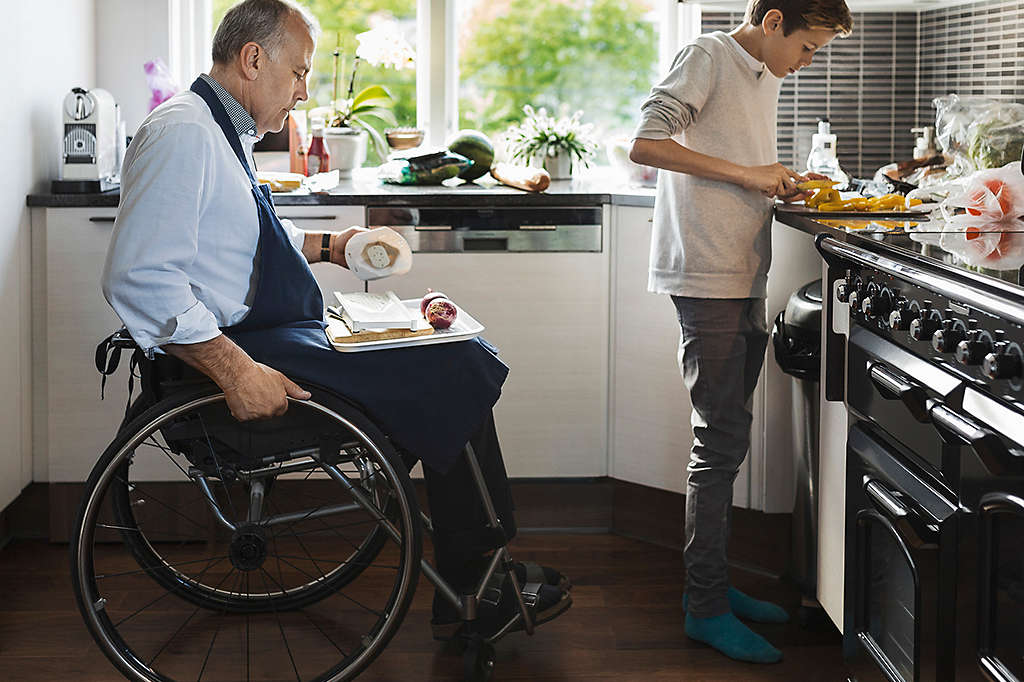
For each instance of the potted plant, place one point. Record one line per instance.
(359, 117)
(556, 143)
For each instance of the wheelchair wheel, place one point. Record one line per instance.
(205, 548)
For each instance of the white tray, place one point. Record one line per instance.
(464, 327)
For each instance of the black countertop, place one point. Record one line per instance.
(594, 187)
(920, 237)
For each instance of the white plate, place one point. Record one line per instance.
(464, 327)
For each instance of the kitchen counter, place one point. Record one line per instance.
(922, 239)
(594, 187)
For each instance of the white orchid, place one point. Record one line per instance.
(386, 46)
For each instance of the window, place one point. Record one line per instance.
(598, 56)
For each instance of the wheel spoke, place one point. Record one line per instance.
(280, 627)
(164, 594)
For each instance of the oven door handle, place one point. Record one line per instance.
(956, 429)
(892, 385)
(914, 530)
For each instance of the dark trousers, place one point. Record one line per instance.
(461, 533)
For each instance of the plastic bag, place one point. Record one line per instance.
(983, 224)
(161, 85)
(424, 169)
(978, 132)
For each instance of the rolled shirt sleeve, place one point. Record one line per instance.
(296, 234)
(155, 237)
(676, 102)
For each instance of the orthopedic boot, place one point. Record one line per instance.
(734, 639)
(745, 606)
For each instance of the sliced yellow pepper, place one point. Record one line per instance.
(816, 184)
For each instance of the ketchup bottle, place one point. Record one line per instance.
(318, 157)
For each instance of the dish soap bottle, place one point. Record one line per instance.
(318, 156)
(822, 158)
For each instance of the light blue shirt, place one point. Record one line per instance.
(182, 258)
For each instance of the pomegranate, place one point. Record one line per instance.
(440, 313)
(430, 296)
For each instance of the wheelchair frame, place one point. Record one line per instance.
(479, 652)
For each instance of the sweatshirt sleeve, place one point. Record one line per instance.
(155, 237)
(295, 233)
(675, 102)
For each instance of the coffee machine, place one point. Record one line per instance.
(93, 143)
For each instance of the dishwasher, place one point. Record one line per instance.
(538, 280)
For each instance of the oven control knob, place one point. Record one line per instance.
(945, 340)
(843, 292)
(899, 319)
(1004, 362)
(877, 305)
(854, 300)
(924, 326)
(972, 350)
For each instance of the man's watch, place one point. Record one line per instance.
(325, 248)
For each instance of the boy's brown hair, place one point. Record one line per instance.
(833, 15)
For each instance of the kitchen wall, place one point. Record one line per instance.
(48, 48)
(972, 49)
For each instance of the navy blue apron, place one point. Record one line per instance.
(428, 399)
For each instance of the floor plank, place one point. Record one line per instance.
(625, 624)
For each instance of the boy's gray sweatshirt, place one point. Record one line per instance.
(712, 239)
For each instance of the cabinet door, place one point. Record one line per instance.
(548, 315)
(75, 424)
(331, 278)
(651, 437)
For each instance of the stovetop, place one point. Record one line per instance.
(999, 255)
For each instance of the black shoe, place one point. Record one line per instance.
(498, 612)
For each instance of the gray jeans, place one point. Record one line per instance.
(721, 352)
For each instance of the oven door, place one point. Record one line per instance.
(892, 387)
(1001, 598)
(903, 554)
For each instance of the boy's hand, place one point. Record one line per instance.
(800, 196)
(774, 181)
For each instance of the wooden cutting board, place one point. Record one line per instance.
(338, 332)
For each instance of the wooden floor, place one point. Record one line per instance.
(625, 624)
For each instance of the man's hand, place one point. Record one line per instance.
(774, 180)
(261, 392)
(252, 390)
(339, 243)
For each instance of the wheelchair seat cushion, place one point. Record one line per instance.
(428, 399)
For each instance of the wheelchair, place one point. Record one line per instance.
(287, 549)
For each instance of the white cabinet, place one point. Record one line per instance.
(548, 315)
(71, 426)
(650, 435)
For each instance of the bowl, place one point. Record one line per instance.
(404, 138)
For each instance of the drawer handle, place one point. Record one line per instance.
(956, 429)
(101, 219)
(308, 217)
(894, 386)
(885, 500)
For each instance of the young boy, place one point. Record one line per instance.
(711, 125)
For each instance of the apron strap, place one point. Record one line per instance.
(203, 89)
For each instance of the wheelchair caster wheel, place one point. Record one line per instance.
(478, 661)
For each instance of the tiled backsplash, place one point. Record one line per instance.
(878, 83)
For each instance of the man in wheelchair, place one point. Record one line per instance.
(201, 269)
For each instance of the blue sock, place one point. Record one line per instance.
(734, 639)
(745, 606)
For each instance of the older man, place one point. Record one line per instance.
(201, 268)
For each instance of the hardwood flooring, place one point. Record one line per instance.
(625, 624)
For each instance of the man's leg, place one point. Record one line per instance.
(462, 538)
(720, 356)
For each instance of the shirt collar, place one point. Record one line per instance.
(748, 59)
(241, 119)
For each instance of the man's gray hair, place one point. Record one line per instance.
(261, 22)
